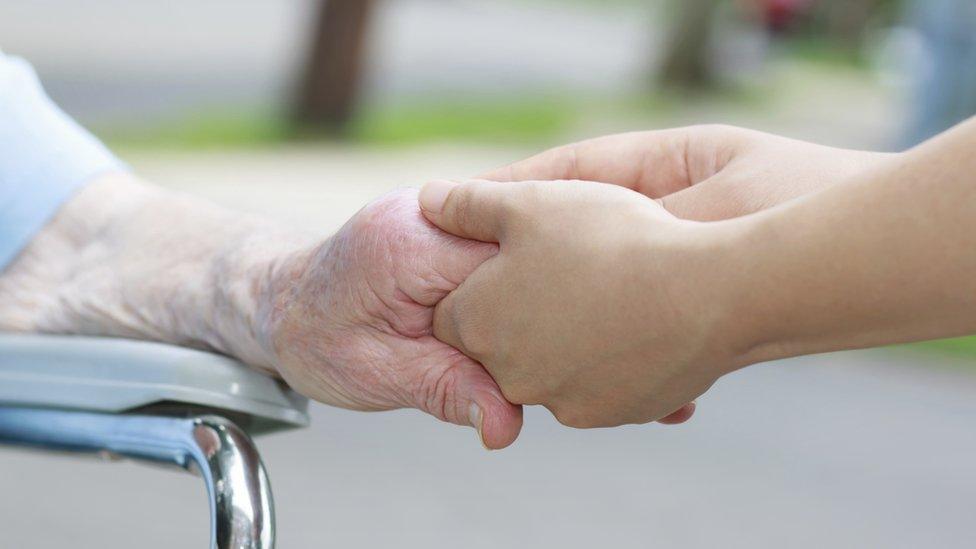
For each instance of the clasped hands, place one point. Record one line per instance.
(612, 281)
(585, 279)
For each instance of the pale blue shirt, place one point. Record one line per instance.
(45, 156)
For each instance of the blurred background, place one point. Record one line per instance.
(304, 110)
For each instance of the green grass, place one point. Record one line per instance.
(960, 346)
(512, 120)
(206, 130)
(525, 119)
(497, 120)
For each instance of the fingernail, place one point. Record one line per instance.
(434, 194)
(476, 419)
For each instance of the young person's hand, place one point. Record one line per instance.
(699, 172)
(607, 309)
(601, 305)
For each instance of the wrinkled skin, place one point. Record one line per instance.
(345, 320)
(351, 324)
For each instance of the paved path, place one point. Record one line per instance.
(851, 450)
(126, 61)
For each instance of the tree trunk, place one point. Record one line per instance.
(687, 58)
(329, 87)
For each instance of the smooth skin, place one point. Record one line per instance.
(608, 309)
(704, 173)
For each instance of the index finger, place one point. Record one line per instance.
(653, 163)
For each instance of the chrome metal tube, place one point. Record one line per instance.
(241, 506)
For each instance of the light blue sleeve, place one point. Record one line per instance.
(45, 157)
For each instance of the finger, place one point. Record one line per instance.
(654, 163)
(463, 318)
(453, 260)
(465, 394)
(498, 421)
(457, 258)
(475, 210)
(730, 194)
(708, 201)
(680, 415)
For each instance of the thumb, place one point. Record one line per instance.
(465, 394)
(474, 210)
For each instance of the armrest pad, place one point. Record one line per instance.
(120, 375)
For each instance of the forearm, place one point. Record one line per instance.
(128, 259)
(887, 257)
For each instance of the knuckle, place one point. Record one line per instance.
(473, 338)
(575, 417)
(520, 376)
(521, 209)
(435, 391)
(728, 135)
(476, 342)
(715, 129)
(521, 393)
(383, 218)
(565, 162)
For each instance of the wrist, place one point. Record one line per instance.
(763, 290)
(737, 326)
(694, 273)
(253, 275)
(878, 259)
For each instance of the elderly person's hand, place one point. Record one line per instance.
(351, 321)
(86, 248)
(345, 320)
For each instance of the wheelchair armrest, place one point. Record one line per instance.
(123, 376)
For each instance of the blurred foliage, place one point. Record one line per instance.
(836, 31)
(818, 49)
